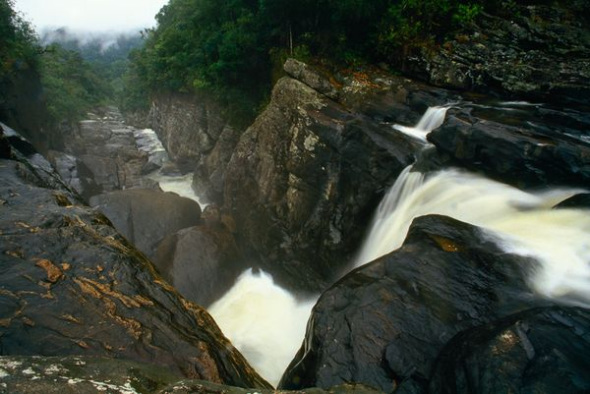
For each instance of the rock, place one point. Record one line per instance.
(385, 323)
(522, 153)
(71, 285)
(146, 216)
(541, 350)
(197, 137)
(81, 374)
(201, 262)
(580, 200)
(91, 375)
(102, 155)
(538, 51)
(311, 77)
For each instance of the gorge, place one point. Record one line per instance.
(369, 231)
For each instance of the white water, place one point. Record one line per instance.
(432, 118)
(263, 321)
(525, 222)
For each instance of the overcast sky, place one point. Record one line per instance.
(90, 15)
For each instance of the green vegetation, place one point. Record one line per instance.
(232, 49)
(71, 86)
(18, 51)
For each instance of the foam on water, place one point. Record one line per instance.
(263, 321)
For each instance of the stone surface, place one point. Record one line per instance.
(541, 350)
(71, 285)
(385, 323)
(201, 262)
(91, 375)
(527, 148)
(101, 155)
(537, 50)
(146, 216)
(197, 138)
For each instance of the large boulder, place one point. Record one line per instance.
(543, 350)
(146, 216)
(71, 285)
(201, 262)
(385, 323)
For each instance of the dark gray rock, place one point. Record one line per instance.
(201, 262)
(91, 375)
(385, 323)
(518, 151)
(542, 350)
(305, 177)
(146, 216)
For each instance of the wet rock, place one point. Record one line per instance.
(106, 154)
(385, 323)
(71, 285)
(541, 350)
(197, 136)
(146, 216)
(201, 262)
(520, 151)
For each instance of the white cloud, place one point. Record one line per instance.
(90, 15)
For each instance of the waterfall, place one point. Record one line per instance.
(524, 223)
(432, 118)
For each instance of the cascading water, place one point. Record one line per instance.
(432, 118)
(523, 222)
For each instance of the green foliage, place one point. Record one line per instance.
(235, 48)
(18, 47)
(71, 86)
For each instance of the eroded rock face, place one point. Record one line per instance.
(542, 350)
(385, 323)
(71, 285)
(146, 216)
(197, 138)
(538, 50)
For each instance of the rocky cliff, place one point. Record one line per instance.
(196, 136)
(537, 50)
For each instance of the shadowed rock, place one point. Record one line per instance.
(146, 216)
(542, 350)
(71, 285)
